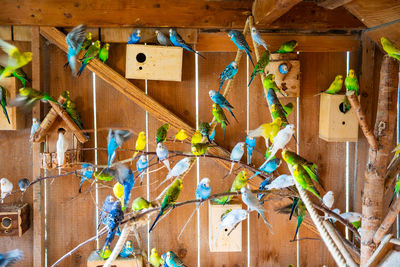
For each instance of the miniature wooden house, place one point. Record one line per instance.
(334, 125)
(14, 219)
(57, 119)
(17, 120)
(154, 62)
(286, 68)
(95, 260)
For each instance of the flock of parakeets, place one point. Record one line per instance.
(276, 134)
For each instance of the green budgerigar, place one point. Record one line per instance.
(204, 129)
(161, 134)
(170, 197)
(103, 54)
(335, 87)
(70, 108)
(269, 82)
(220, 116)
(140, 203)
(87, 42)
(293, 158)
(302, 177)
(90, 54)
(19, 74)
(199, 149)
(287, 47)
(260, 66)
(239, 182)
(351, 82)
(396, 190)
(3, 102)
(27, 97)
(390, 48)
(299, 211)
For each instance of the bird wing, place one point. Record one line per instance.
(8, 48)
(76, 37)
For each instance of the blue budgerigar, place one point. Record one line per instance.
(220, 100)
(268, 166)
(162, 39)
(74, 41)
(112, 222)
(105, 209)
(241, 43)
(162, 154)
(127, 250)
(177, 40)
(250, 145)
(173, 260)
(253, 203)
(115, 139)
(236, 154)
(35, 126)
(23, 184)
(256, 36)
(180, 168)
(263, 186)
(86, 173)
(141, 165)
(134, 37)
(203, 191)
(125, 177)
(10, 257)
(228, 73)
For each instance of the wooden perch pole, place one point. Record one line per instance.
(388, 221)
(372, 202)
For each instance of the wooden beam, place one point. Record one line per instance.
(373, 13)
(127, 13)
(128, 89)
(220, 42)
(267, 11)
(332, 4)
(390, 31)
(38, 188)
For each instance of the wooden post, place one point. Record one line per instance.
(372, 202)
(38, 188)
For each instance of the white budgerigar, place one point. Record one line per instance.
(328, 199)
(162, 154)
(253, 203)
(231, 219)
(257, 38)
(61, 148)
(237, 154)
(180, 168)
(281, 140)
(6, 187)
(351, 216)
(35, 126)
(282, 181)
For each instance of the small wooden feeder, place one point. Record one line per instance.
(334, 125)
(94, 260)
(14, 219)
(154, 62)
(17, 118)
(57, 119)
(286, 68)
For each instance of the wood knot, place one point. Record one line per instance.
(381, 127)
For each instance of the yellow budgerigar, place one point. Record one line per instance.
(140, 143)
(197, 137)
(267, 130)
(15, 59)
(390, 48)
(118, 190)
(155, 259)
(181, 135)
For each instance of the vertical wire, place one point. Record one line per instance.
(95, 152)
(298, 151)
(347, 173)
(248, 127)
(45, 210)
(397, 141)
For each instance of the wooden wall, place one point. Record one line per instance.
(71, 216)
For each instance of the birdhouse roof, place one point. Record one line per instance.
(55, 112)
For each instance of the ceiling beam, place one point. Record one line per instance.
(332, 4)
(267, 11)
(389, 30)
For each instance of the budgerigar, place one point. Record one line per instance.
(240, 41)
(200, 148)
(204, 129)
(220, 116)
(141, 165)
(104, 51)
(70, 108)
(219, 99)
(15, 59)
(239, 182)
(237, 154)
(61, 148)
(203, 191)
(134, 37)
(253, 203)
(299, 210)
(125, 177)
(256, 36)
(105, 209)
(161, 134)
(282, 181)
(170, 197)
(105, 252)
(352, 217)
(86, 172)
(336, 86)
(19, 74)
(155, 259)
(140, 143)
(162, 39)
(180, 168)
(268, 166)
(267, 130)
(328, 199)
(23, 184)
(293, 158)
(260, 66)
(228, 73)
(396, 190)
(269, 83)
(162, 154)
(287, 47)
(118, 190)
(115, 139)
(127, 249)
(390, 48)
(250, 145)
(173, 260)
(34, 127)
(263, 185)
(28, 97)
(181, 135)
(196, 137)
(177, 40)
(8, 258)
(3, 102)
(276, 109)
(6, 187)
(90, 54)
(232, 219)
(351, 82)
(112, 222)
(140, 203)
(281, 140)
(74, 41)
(302, 177)
(87, 42)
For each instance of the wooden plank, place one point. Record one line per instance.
(390, 31)
(308, 15)
(125, 13)
(332, 4)
(265, 12)
(220, 42)
(22, 33)
(384, 247)
(5, 33)
(373, 13)
(147, 35)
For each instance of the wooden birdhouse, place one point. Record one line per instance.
(57, 120)
(334, 125)
(14, 219)
(227, 241)
(286, 68)
(154, 62)
(95, 260)
(17, 119)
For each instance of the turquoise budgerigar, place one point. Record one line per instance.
(220, 100)
(141, 165)
(172, 260)
(250, 145)
(177, 40)
(115, 139)
(86, 172)
(240, 41)
(127, 250)
(74, 41)
(228, 73)
(268, 166)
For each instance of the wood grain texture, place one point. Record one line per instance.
(266, 12)
(5, 33)
(332, 4)
(390, 31)
(22, 33)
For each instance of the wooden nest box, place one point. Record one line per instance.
(17, 118)
(94, 260)
(154, 62)
(14, 219)
(57, 119)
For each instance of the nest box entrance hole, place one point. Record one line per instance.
(141, 58)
